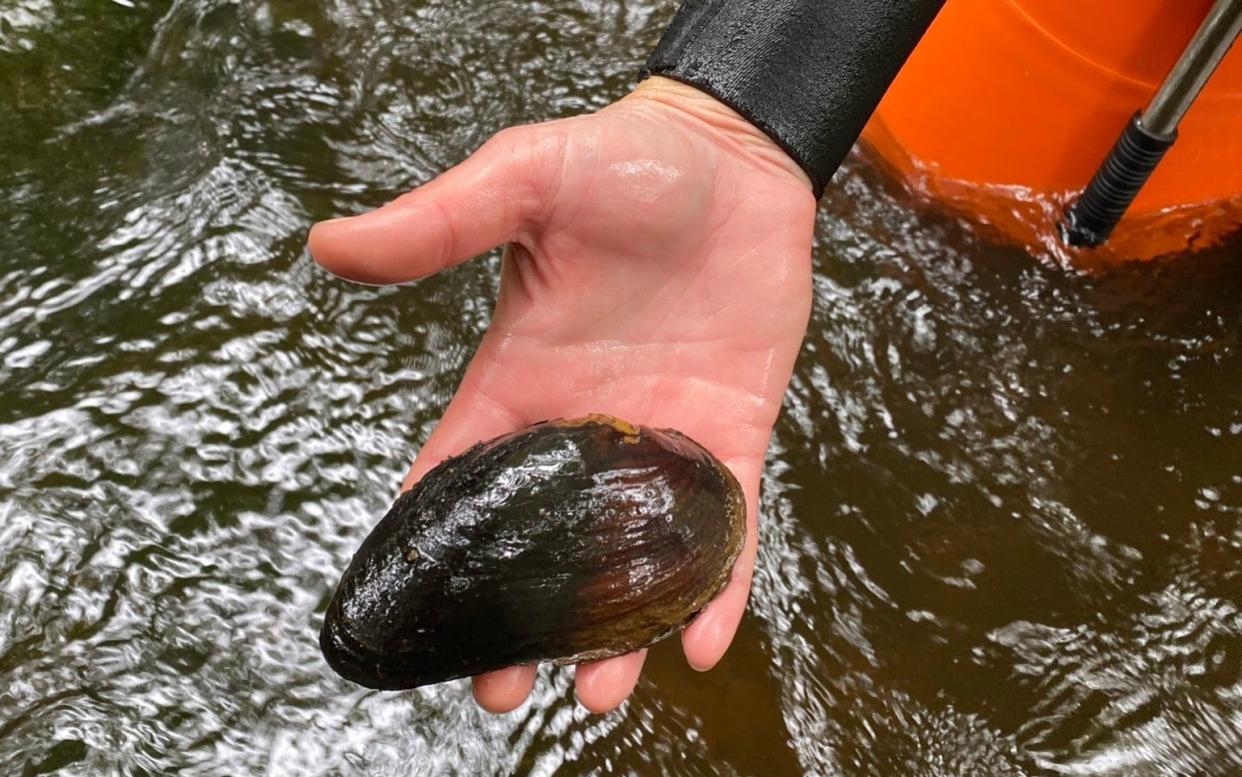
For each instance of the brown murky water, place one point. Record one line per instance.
(1002, 517)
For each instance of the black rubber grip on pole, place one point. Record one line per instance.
(1090, 219)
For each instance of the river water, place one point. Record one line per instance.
(1002, 514)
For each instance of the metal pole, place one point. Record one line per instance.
(1196, 64)
(1148, 135)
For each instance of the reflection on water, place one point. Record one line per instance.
(1003, 508)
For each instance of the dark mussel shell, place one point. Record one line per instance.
(567, 541)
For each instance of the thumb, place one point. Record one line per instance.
(490, 198)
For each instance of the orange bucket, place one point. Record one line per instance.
(1007, 107)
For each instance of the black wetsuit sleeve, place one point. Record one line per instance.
(806, 72)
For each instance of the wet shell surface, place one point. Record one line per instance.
(567, 540)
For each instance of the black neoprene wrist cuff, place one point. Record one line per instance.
(806, 72)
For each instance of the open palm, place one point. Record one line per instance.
(657, 269)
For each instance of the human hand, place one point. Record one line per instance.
(657, 269)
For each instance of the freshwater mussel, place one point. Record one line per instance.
(567, 541)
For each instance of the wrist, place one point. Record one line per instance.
(732, 129)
